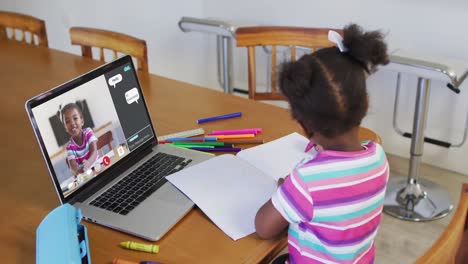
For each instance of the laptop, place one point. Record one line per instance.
(102, 152)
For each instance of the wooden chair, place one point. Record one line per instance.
(367, 134)
(104, 39)
(23, 24)
(452, 245)
(251, 37)
(104, 140)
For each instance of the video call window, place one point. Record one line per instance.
(91, 127)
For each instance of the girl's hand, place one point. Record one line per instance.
(86, 165)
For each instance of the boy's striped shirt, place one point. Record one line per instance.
(333, 203)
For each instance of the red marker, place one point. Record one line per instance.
(106, 160)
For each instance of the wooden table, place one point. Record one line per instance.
(27, 193)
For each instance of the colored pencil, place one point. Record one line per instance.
(191, 146)
(244, 141)
(226, 145)
(218, 149)
(234, 136)
(208, 143)
(199, 139)
(236, 131)
(204, 152)
(214, 118)
(171, 140)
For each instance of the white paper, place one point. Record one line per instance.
(228, 190)
(278, 157)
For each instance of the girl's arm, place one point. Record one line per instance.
(269, 223)
(92, 156)
(74, 167)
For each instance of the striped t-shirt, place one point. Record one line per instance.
(79, 153)
(333, 203)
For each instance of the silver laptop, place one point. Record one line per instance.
(102, 152)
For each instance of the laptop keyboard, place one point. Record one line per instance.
(133, 189)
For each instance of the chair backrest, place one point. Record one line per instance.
(367, 134)
(104, 140)
(116, 42)
(251, 37)
(445, 249)
(23, 24)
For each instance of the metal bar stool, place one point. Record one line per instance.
(225, 33)
(413, 198)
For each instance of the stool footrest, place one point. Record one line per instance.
(433, 141)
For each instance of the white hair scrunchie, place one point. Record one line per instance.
(336, 38)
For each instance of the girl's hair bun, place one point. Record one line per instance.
(292, 75)
(367, 48)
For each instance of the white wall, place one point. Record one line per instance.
(171, 52)
(428, 26)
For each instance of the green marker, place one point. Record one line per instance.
(206, 153)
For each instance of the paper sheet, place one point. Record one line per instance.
(228, 190)
(278, 157)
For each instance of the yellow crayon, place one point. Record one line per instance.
(140, 246)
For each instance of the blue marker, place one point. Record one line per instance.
(214, 118)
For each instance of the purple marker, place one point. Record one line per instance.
(214, 118)
(217, 149)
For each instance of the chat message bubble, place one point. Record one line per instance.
(115, 80)
(132, 95)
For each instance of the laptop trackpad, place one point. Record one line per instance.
(168, 193)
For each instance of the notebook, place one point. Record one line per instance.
(230, 189)
(102, 152)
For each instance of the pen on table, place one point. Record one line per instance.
(191, 146)
(208, 143)
(244, 141)
(226, 145)
(234, 136)
(214, 118)
(236, 131)
(204, 152)
(140, 246)
(218, 149)
(170, 140)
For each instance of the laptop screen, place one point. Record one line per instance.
(91, 123)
